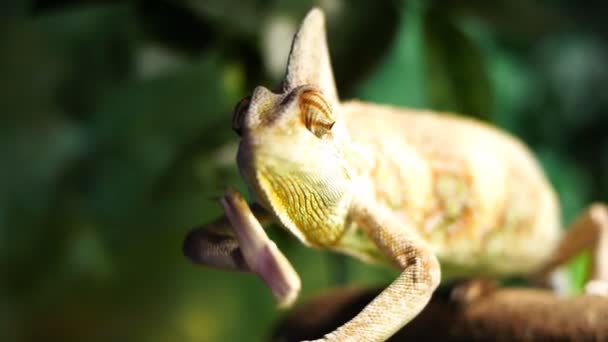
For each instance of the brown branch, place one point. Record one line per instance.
(506, 314)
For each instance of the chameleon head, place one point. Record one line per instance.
(293, 156)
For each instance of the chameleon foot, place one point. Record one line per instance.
(472, 289)
(597, 288)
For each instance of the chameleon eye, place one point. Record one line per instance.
(238, 115)
(316, 112)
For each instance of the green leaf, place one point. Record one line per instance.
(399, 80)
(456, 77)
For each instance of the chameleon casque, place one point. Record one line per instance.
(435, 195)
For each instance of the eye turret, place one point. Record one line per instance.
(316, 113)
(238, 115)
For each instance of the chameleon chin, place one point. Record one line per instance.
(433, 194)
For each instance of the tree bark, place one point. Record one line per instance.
(507, 314)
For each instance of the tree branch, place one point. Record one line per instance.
(501, 314)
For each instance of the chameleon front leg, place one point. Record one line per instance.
(402, 300)
(250, 249)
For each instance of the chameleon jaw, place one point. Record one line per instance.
(260, 253)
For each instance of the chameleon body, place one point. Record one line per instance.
(474, 193)
(433, 194)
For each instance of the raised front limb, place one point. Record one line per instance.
(245, 248)
(215, 245)
(402, 300)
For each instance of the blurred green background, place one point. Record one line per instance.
(115, 139)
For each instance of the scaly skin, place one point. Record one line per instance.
(428, 193)
(474, 193)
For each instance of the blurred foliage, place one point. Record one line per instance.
(116, 139)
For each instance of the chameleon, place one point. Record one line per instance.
(434, 195)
